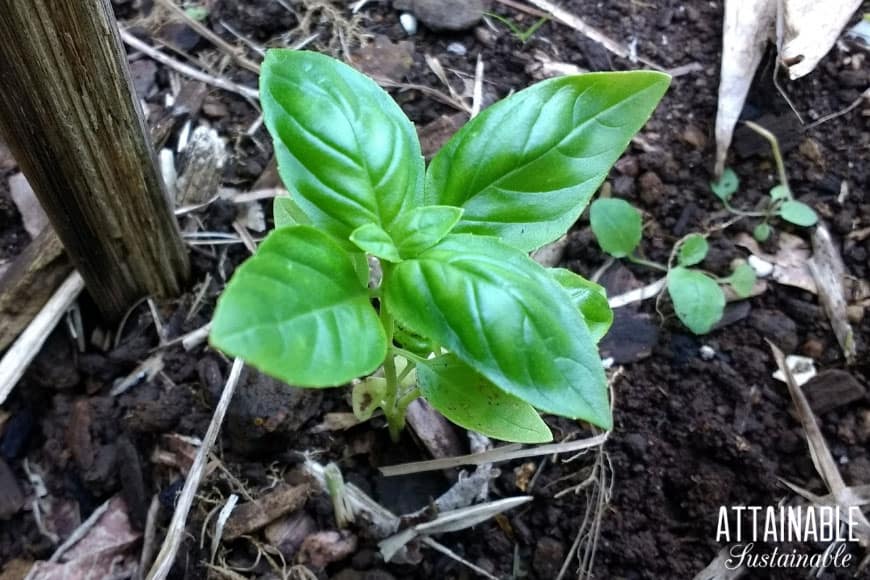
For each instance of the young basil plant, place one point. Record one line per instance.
(781, 204)
(697, 295)
(462, 315)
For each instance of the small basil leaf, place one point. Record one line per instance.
(589, 298)
(761, 232)
(286, 212)
(798, 213)
(525, 167)
(469, 400)
(423, 227)
(698, 300)
(693, 250)
(296, 311)
(344, 148)
(371, 239)
(617, 226)
(742, 279)
(502, 314)
(726, 186)
(780, 191)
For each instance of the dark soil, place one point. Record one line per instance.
(691, 434)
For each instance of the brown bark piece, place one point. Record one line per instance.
(253, 515)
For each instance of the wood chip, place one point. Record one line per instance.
(253, 515)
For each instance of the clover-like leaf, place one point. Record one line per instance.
(698, 299)
(693, 250)
(778, 192)
(286, 212)
(589, 298)
(370, 238)
(617, 226)
(423, 227)
(726, 185)
(344, 148)
(524, 169)
(297, 311)
(798, 213)
(502, 313)
(742, 279)
(471, 401)
(761, 232)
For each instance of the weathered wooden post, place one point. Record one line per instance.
(69, 115)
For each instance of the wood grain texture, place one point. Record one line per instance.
(68, 113)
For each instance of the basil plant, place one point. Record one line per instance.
(462, 316)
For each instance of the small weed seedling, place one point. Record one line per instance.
(781, 202)
(697, 295)
(522, 35)
(462, 315)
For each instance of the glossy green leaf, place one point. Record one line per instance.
(589, 298)
(525, 168)
(761, 232)
(726, 186)
(469, 400)
(344, 148)
(370, 238)
(780, 191)
(693, 250)
(286, 212)
(617, 226)
(742, 279)
(502, 313)
(423, 227)
(798, 213)
(698, 299)
(296, 311)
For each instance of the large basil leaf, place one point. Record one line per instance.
(297, 311)
(502, 314)
(525, 168)
(469, 400)
(345, 150)
(589, 298)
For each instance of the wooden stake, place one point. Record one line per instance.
(68, 113)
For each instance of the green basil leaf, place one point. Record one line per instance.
(589, 298)
(469, 400)
(798, 213)
(502, 314)
(525, 168)
(761, 232)
(296, 311)
(693, 250)
(285, 212)
(742, 279)
(370, 238)
(698, 300)
(780, 191)
(617, 226)
(726, 186)
(421, 228)
(344, 148)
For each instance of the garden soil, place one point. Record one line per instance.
(692, 433)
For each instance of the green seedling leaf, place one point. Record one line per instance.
(469, 400)
(343, 146)
(779, 192)
(742, 280)
(589, 298)
(761, 232)
(296, 311)
(500, 312)
(798, 213)
(370, 238)
(698, 300)
(286, 212)
(617, 226)
(423, 227)
(198, 13)
(367, 396)
(526, 167)
(726, 186)
(693, 250)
